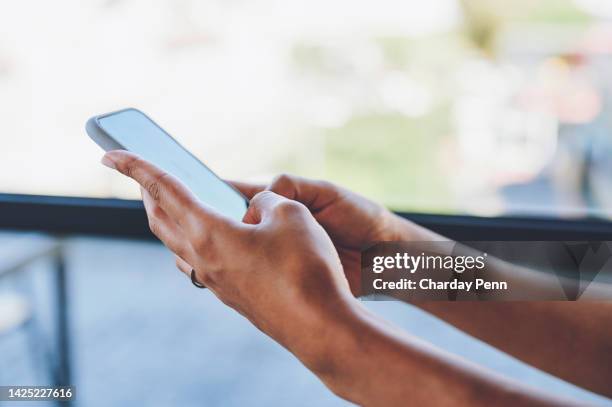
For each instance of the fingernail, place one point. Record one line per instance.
(107, 162)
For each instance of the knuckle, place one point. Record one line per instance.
(258, 199)
(261, 195)
(157, 212)
(154, 188)
(154, 227)
(282, 181)
(289, 208)
(131, 165)
(324, 184)
(191, 208)
(179, 251)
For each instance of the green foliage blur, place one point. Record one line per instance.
(398, 158)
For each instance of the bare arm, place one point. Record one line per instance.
(572, 340)
(373, 363)
(280, 270)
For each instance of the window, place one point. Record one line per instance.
(478, 107)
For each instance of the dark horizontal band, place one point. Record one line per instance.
(126, 218)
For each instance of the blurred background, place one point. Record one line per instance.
(475, 106)
(485, 107)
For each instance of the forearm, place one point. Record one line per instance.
(568, 339)
(369, 362)
(571, 340)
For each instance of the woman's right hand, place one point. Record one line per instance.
(352, 221)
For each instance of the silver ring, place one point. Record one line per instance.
(195, 281)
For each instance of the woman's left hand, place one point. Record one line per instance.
(278, 268)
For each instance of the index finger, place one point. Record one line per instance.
(314, 194)
(167, 191)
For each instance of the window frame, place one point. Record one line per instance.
(62, 215)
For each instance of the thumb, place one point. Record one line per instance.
(266, 203)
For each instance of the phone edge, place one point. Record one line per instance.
(107, 143)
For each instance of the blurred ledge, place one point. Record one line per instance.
(73, 215)
(466, 228)
(126, 218)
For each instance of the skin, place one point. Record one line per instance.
(292, 269)
(571, 340)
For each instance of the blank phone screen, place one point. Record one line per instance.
(140, 135)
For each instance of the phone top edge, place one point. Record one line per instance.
(107, 143)
(125, 109)
(100, 137)
(97, 133)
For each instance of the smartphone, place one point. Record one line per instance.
(132, 130)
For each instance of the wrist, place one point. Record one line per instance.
(402, 229)
(397, 228)
(337, 350)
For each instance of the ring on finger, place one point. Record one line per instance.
(195, 281)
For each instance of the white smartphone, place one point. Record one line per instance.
(132, 130)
